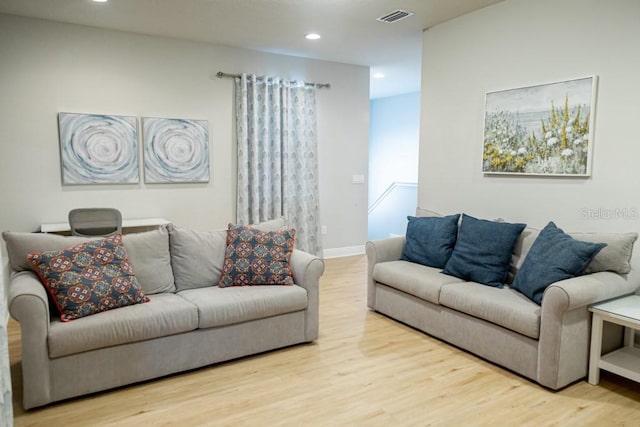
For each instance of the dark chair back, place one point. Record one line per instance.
(90, 222)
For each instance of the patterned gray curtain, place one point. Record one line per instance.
(278, 156)
(6, 405)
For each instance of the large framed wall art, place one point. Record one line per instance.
(545, 129)
(175, 150)
(98, 149)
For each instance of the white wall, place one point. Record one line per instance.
(393, 157)
(393, 150)
(519, 43)
(49, 67)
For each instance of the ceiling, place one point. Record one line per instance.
(349, 30)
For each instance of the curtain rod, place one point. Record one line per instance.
(220, 75)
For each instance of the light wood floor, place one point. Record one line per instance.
(365, 369)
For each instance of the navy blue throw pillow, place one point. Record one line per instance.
(483, 251)
(430, 240)
(554, 256)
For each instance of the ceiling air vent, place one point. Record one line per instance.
(395, 16)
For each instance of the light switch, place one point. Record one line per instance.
(357, 179)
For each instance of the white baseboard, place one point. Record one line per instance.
(342, 252)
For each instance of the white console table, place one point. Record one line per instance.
(625, 361)
(60, 227)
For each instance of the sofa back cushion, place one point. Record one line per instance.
(420, 213)
(151, 260)
(197, 257)
(148, 253)
(520, 250)
(19, 245)
(616, 256)
(271, 225)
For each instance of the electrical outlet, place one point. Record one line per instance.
(324, 229)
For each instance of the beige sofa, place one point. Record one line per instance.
(188, 323)
(548, 343)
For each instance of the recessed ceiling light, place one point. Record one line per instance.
(378, 76)
(100, 1)
(312, 36)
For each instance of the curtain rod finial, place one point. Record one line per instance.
(220, 74)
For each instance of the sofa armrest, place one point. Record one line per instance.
(589, 289)
(29, 305)
(307, 270)
(382, 250)
(385, 249)
(27, 299)
(565, 324)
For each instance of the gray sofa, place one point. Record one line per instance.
(548, 343)
(188, 322)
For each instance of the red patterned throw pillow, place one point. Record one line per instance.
(255, 257)
(89, 277)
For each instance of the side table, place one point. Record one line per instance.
(625, 361)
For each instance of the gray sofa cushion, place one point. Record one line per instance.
(148, 253)
(271, 225)
(426, 213)
(164, 314)
(520, 251)
(196, 257)
(502, 306)
(616, 256)
(415, 279)
(20, 244)
(227, 306)
(150, 260)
